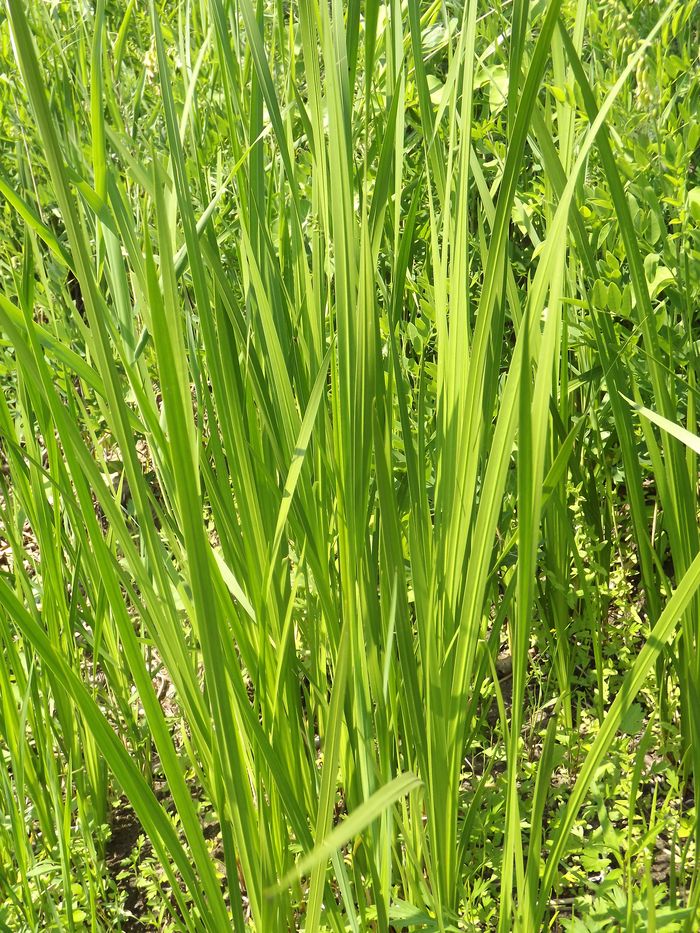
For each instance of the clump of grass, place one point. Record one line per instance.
(349, 489)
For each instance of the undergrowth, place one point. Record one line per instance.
(348, 443)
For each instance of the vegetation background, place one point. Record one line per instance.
(348, 442)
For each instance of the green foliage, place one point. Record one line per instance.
(349, 556)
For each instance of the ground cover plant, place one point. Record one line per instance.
(348, 465)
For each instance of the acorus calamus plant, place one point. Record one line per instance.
(328, 399)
